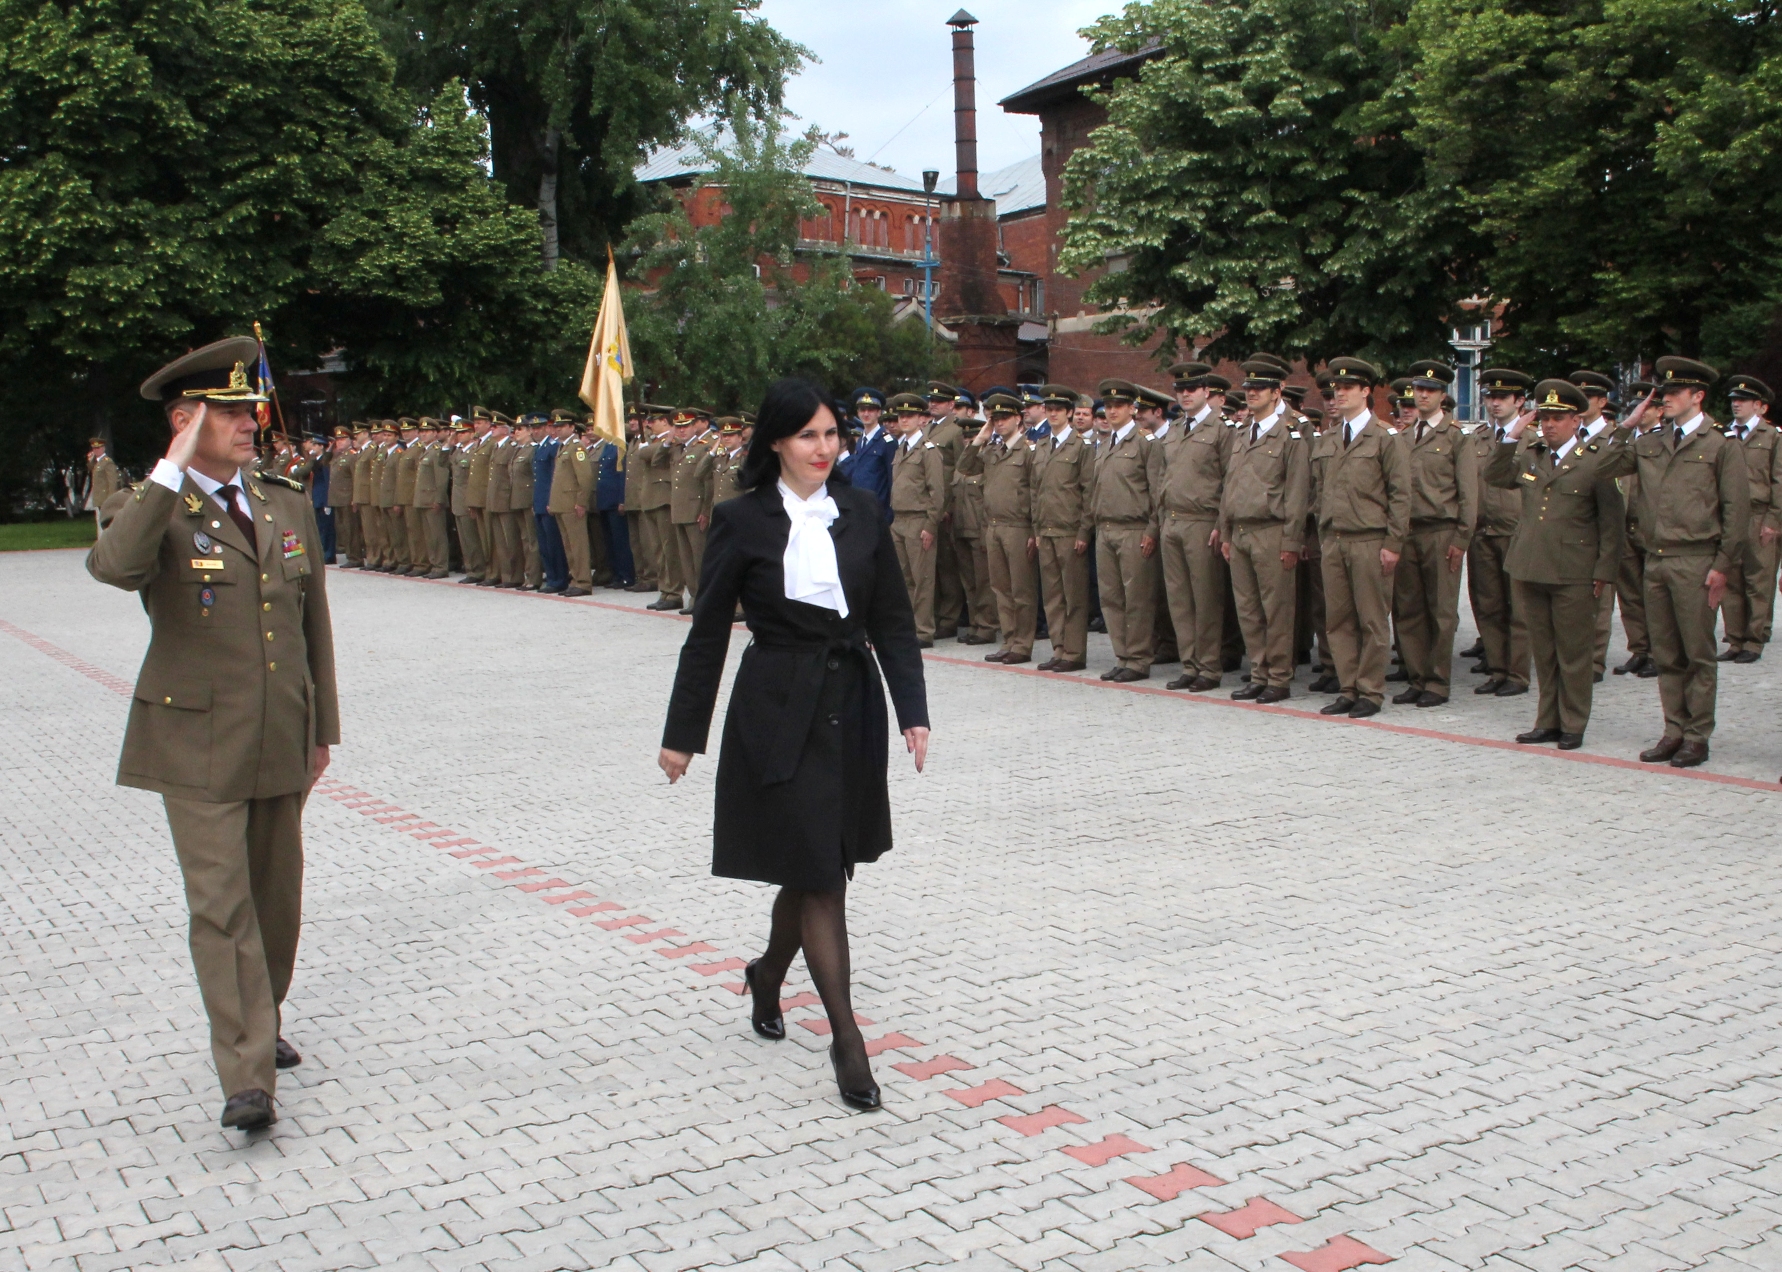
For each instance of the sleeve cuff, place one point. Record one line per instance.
(169, 474)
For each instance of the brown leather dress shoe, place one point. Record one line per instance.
(1248, 692)
(1203, 683)
(249, 1110)
(1275, 693)
(1342, 706)
(1126, 675)
(1183, 681)
(1689, 755)
(1015, 660)
(284, 1055)
(1064, 664)
(1661, 751)
(998, 656)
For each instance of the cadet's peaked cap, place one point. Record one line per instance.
(215, 373)
(1118, 391)
(652, 411)
(1322, 379)
(95, 441)
(1058, 395)
(1263, 373)
(532, 419)
(360, 426)
(459, 426)
(1155, 399)
(748, 418)
(1401, 390)
(1684, 373)
(482, 413)
(1640, 388)
(1031, 394)
(1558, 395)
(692, 415)
(1294, 393)
(407, 425)
(1001, 403)
(1234, 400)
(1187, 375)
(907, 404)
(941, 391)
(427, 421)
(496, 417)
(1215, 382)
(729, 425)
(1504, 380)
(868, 397)
(340, 430)
(1314, 413)
(562, 416)
(1353, 371)
(1431, 374)
(1748, 386)
(1277, 359)
(1592, 382)
(966, 398)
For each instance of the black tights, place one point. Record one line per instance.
(817, 923)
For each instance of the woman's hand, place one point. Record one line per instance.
(674, 763)
(914, 740)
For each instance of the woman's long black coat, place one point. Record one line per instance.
(801, 777)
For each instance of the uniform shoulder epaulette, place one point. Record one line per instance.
(1392, 432)
(928, 446)
(1294, 434)
(277, 480)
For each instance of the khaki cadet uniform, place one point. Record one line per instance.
(349, 541)
(519, 469)
(572, 487)
(1195, 456)
(1750, 599)
(391, 509)
(949, 580)
(1262, 513)
(371, 538)
(1630, 577)
(235, 693)
(476, 498)
(414, 532)
(1695, 511)
(1567, 543)
(656, 456)
(690, 506)
(1601, 428)
(1063, 475)
(1502, 630)
(506, 561)
(727, 469)
(1006, 469)
(1444, 514)
(433, 476)
(103, 480)
(470, 533)
(641, 558)
(1129, 479)
(969, 535)
(918, 498)
(1362, 483)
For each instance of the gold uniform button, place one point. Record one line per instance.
(265, 605)
(269, 516)
(271, 666)
(167, 702)
(262, 578)
(268, 635)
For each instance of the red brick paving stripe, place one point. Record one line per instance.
(891, 1042)
(995, 1089)
(400, 817)
(820, 1026)
(922, 1070)
(1339, 1254)
(493, 862)
(682, 951)
(1258, 1212)
(613, 925)
(805, 999)
(523, 872)
(96, 674)
(1105, 1150)
(1175, 1181)
(541, 885)
(644, 938)
(735, 987)
(583, 911)
(580, 894)
(712, 969)
(1044, 1120)
(447, 844)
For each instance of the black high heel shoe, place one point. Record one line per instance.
(773, 1030)
(865, 1100)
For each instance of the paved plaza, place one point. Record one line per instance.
(1154, 981)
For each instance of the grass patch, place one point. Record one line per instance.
(65, 532)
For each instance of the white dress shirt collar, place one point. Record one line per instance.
(1688, 426)
(1120, 434)
(1262, 426)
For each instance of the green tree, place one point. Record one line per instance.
(1253, 187)
(1619, 159)
(576, 92)
(733, 305)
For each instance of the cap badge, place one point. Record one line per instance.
(1552, 398)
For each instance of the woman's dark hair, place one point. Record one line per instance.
(786, 408)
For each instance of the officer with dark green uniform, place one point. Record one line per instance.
(1751, 587)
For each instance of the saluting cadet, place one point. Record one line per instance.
(1751, 585)
(1151, 410)
(390, 502)
(365, 495)
(1563, 554)
(404, 511)
(470, 532)
(234, 709)
(486, 571)
(1362, 475)
(1129, 477)
(690, 495)
(947, 436)
(1063, 473)
(656, 456)
(1004, 459)
(507, 560)
(918, 500)
(1695, 510)
(1630, 578)
(1262, 515)
(1504, 634)
(969, 532)
(103, 479)
(571, 496)
(727, 460)
(1593, 423)
(519, 476)
(349, 545)
(1444, 514)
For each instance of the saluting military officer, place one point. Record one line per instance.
(1695, 511)
(234, 710)
(431, 547)
(1630, 579)
(365, 495)
(1594, 424)
(572, 494)
(1564, 553)
(519, 501)
(727, 460)
(967, 529)
(392, 505)
(506, 559)
(1501, 629)
(918, 499)
(103, 479)
(476, 497)
(1362, 479)
(943, 432)
(348, 544)
(468, 516)
(408, 467)
(1750, 600)
(690, 494)
(1063, 474)
(655, 456)
(1004, 459)
(1129, 477)
(1444, 514)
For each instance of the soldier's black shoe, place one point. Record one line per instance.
(1537, 737)
(1098, 624)
(998, 656)
(970, 638)
(471, 579)
(1570, 741)
(1474, 650)
(284, 1055)
(1248, 692)
(1203, 683)
(1395, 677)
(1726, 655)
(1661, 750)
(1066, 664)
(924, 644)
(1747, 656)
(1596, 678)
(1407, 697)
(1429, 698)
(1363, 709)
(1690, 754)
(1648, 669)
(1126, 675)
(1481, 669)
(1491, 686)
(1014, 660)
(1183, 681)
(1109, 673)
(1275, 693)
(1342, 706)
(1327, 683)
(249, 1110)
(1510, 689)
(576, 591)
(1633, 664)
(664, 603)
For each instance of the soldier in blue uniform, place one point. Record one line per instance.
(869, 467)
(609, 503)
(318, 494)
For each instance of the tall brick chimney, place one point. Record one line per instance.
(970, 303)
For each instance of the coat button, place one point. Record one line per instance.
(271, 666)
(266, 605)
(167, 702)
(835, 720)
(268, 635)
(834, 663)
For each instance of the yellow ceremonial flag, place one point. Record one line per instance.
(609, 363)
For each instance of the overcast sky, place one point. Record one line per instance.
(886, 74)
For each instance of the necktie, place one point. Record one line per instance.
(1421, 426)
(1583, 432)
(1255, 432)
(1348, 434)
(243, 522)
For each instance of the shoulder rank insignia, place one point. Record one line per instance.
(194, 505)
(277, 480)
(927, 445)
(1294, 434)
(1392, 432)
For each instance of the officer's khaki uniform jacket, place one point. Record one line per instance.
(1444, 479)
(105, 482)
(476, 489)
(237, 688)
(1363, 490)
(1572, 524)
(919, 482)
(519, 476)
(727, 470)
(656, 458)
(340, 479)
(690, 494)
(1194, 468)
(1063, 475)
(1499, 509)
(363, 490)
(499, 489)
(432, 475)
(1693, 499)
(385, 470)
(1763, 464)
(408, 467)
(1129, 477)
(1267, 481)
(1006, 472)
(572, 478)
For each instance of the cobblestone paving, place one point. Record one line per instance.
(1156, 982)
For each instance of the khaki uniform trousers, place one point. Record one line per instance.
(1681, 626)
(1500, 627)
(949, 583)
(1630, 590)
(371, 533)
(918, 568)
(396, 534)
(1311, 602)
(243, 868)
(1266, 596)
(507, 561)
(668, 556)
(470, 545)
(1750, 602)
(1014, 584)
(1426, 608)
(972, 556)
(574, 530)
(1128, 580)
(485, 528)
(1064, 585)
(1603, 625)
(414, 533)
(532, 561)
(689, 547)
(1357, 611)
(645, 554)
(350, 540)
(436, 537)
(1558, 615)
(1194, 587)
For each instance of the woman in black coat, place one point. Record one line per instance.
(801, 778)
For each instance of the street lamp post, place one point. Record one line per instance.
(929, 178)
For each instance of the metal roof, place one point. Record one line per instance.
(1020, 187)
(671, 162)
(1063, 83)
